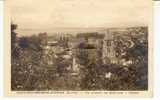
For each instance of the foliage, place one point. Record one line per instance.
(30, 69)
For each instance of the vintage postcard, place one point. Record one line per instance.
(78, 48)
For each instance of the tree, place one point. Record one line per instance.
(14, 51)
(138, 54)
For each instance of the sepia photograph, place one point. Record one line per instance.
(75, 45)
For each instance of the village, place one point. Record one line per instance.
(84, 61)
(99, 46)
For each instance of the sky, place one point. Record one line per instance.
(53, 14)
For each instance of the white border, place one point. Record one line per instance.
(156, 57)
